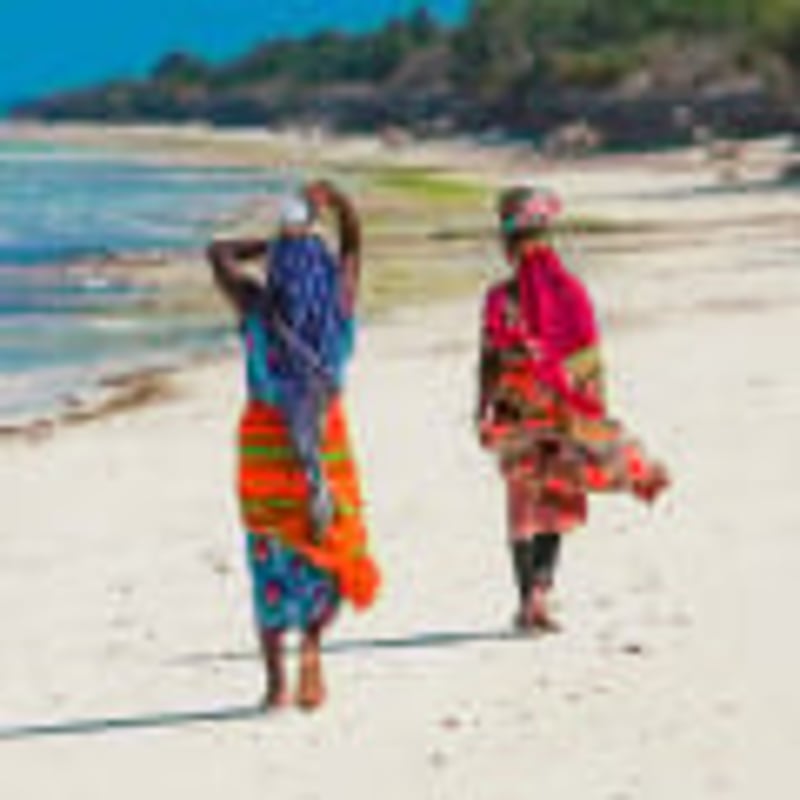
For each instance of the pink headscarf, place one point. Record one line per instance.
(527, 207)
(555, 320)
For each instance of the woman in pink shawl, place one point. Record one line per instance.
(541, 406)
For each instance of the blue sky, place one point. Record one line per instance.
(52, 44)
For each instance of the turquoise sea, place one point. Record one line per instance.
(61, 330)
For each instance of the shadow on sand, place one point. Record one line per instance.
(416, 641)
(176, 719)
(101, 725)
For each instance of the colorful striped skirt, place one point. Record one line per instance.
(274, 496)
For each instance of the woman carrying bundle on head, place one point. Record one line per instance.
(298, 485)
(541, 407)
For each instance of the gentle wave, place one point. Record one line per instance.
(60, 329)
(59, 204)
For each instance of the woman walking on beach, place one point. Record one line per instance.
(541, 405)
(298, 487)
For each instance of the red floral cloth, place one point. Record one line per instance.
(544, 411)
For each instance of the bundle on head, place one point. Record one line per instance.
(527, 211)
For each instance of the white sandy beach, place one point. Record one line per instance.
(126, 621)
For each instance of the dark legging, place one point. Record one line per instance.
(535, 561)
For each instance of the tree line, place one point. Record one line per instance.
(514, 64)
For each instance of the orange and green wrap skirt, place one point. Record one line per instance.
(291, 570)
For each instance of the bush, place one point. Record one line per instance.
(598, 69)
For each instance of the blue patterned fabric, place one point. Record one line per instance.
(288, 590)
(299, 342)
(263, 378)
(305, 313)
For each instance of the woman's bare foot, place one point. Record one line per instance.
(275, 698)
(547, 624)
(311, 693)
(535, 615)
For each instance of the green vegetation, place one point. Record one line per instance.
(597, 41)
(326, 57)
(527, 66)
(427, 184)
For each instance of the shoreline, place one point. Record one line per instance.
(119, 390)
(127, 289)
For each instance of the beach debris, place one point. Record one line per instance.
(633, 649)
(572, 140)
(451, 723)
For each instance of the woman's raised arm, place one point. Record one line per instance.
(323, 194)
(226, 258)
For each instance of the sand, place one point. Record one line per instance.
(128, 667)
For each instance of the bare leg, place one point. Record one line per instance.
(311, 686)
(275, 668)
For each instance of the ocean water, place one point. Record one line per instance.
(61, 330)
